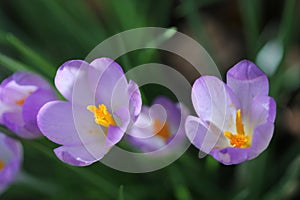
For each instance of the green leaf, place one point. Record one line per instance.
(251, 15)
(13, 65)
(181, 192)
(44, 66)
(95, 179)
(121, 193)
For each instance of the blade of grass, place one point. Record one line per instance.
(58, 11)
(39, 62)
(121, 193)
(196, 23)
(251, 15)
(42, 65)
(180, 190)
(128, 14)
(96, 180)
(289, 17)
(85, 14)
(37, 184)
(13, 65)
(286, 32)
(93, 178)
(255, 184)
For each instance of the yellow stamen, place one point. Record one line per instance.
(239, 140)
(2, 164)
(162, 130)
(20, 102)
(102, 116)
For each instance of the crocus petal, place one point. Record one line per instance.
(11, 152)
(12, 92)
(5, 82)
(214, 102)
(109, 83)
(3, 109)
(135, 102)
(247, 81)
(28, 79)
(14, 121)
(142, 133)
(65, 124)
(230, 155)
(80, 155)
(68, 74)
(261, 139)
(149, 144)
(122, 118)
(114, 135)
(203, 136)
(32, 105)
(263, 110)
(173, 112)
(143, 127)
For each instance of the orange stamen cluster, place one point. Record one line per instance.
(102, 116)
(162, 130)
(239, 140)
(21, 102)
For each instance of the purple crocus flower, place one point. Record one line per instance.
(21, 97)
(235, 120)
(101, 105)
(158, 124)
(11, 155)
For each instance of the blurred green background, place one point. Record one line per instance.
(40, 35)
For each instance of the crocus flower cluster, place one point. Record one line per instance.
(21, 97)
(158, 124)
(235, 120)
(11, 155)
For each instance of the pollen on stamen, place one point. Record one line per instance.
(237, 140)
(101, 115)
(162, 130)
(240, 139)
(20, 102)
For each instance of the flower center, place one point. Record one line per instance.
(2, 164)
(239, 140)
(20, 102)
(162, 130)
(102, 116)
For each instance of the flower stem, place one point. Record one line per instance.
(37, 184)
(108, 188)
